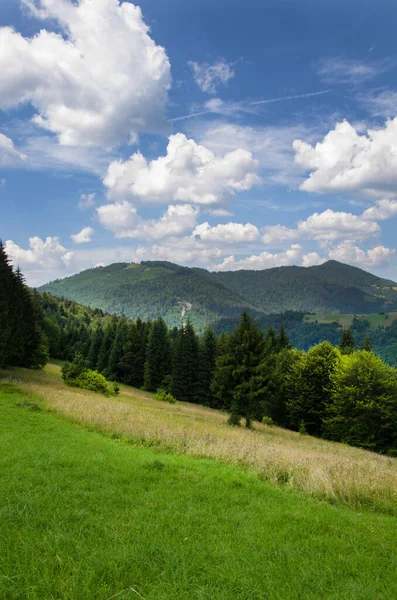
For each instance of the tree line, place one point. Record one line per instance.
(335, 392)
(22, 339)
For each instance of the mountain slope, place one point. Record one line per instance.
(153, 289)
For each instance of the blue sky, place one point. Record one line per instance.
(221, 134)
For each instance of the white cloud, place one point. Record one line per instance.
(187, 250)
(383, 209)
(124, 221)
(220, 212)
(188, 173)
(9, 156)
(348, 162)
(380, 103)
(84, 236)
(98, 82)
(270, 146)
(45, 259)
(119, 217)
(228, 234)
(265, 260)
(347, 70)
(210, 77)
(326, 226)
(86, 201)
(312, 259)
(374, 257)
(3, 181)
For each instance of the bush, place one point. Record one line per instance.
(164, 396)
(93, 381)
(72, 370)
(116, 388)
(267, 421)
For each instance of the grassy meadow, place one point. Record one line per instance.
(346, 320)
(146, 512)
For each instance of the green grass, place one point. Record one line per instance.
(84, 516)
(346, 320)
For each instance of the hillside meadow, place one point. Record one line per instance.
(93, 516)
(324, 470)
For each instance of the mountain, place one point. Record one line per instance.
(157, 288)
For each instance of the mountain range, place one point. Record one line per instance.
(158, 288)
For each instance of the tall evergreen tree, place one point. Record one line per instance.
(247, 344)
(6, 283)
(347, 344)
(114, 369)
(185, 364)
(95, 345)
(222, 381)
(106, 346)
(366, 345)
(283, 342)
(207, 356)
(158, 356)
(134, 355)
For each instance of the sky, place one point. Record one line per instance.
(226, 135)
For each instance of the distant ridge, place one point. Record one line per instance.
(159, 288)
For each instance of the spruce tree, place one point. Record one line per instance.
(185, 365)
(283, 341)
(366, 345)
(134, 354)
(247, 344)
(347, 344)
(158, 356)
(95, 345)
(222, 381)
(207, 355)
(6, 283)
(106, 346)
(114, 369)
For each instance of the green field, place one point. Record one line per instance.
(91, 516)
(345, 320)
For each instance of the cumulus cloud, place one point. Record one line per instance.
(312, 259)
(265, 260)
(84, 236)
(382, 210)
(346, 161)
(228, 234)
(124, 221)
(41, 252)
(188, 173)
(9, 156)
(210, 77)
(119, 217)
(326, 226)
(86, 201)
(98, 80)
(350, 253)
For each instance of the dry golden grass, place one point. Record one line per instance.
(316, 467)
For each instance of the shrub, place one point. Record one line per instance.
(93, 381)
(116, 388)
(72, 370)
(164, 396)
(267, 421)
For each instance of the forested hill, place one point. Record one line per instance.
(152, 289)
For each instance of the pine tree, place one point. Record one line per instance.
(222, 381)
(185, 365)
(134, 354)
(347, 344)
(106, 346)
(283, 341)
(366, 345)
(6, 282)
(114, 369)
(207, 355)
(158, 356)
(95, 345)
(247, 344)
